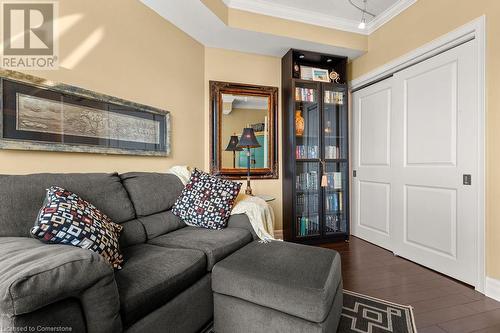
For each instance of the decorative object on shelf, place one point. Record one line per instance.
(334, 76)
(299, 123)
(320, 75)
(248, 140)
(233, 146)
(306, 73)
(328, 128)
(296, 70)
(38, 114)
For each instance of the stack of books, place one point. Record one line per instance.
(333, 202)
(334, 97)
(304, 94)
(332, 152)
(334, 180)
(307, 181)
(332, 223)
(302, 152)
(307, 226)
(306, 202)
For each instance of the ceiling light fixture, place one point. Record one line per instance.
(364, 11)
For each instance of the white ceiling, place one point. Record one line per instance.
(195, 19)
(192, 17)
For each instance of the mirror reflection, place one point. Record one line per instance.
(246, 114)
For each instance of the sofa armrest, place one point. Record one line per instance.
(241, 221)
(34, 275)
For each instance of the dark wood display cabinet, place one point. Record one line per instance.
(315, 147)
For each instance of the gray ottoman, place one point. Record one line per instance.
(277, 287)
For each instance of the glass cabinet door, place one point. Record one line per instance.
(335, 150)
(334, 123)
(307, 159)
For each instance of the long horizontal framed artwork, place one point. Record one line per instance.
(37, 114)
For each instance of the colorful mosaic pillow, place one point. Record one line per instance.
(206, 201)
(65, 218)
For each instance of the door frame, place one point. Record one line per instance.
(475, 29)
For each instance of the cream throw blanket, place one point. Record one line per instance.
(260, 214)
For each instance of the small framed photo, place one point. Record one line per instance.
(306, 72)
(319, 74)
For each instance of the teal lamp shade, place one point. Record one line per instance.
(248, 139)
(233, 144)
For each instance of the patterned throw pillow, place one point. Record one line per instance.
(65, 218)
(206, 201)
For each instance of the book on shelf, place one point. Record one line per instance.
(333, 202)
(302, 152)
(334, 97)
(307, 181)
(333, 223)
(304, 94)
(334, 180)
(307, 202)
(332, 152)
(307, 226)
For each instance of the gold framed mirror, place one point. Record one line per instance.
(233, 108)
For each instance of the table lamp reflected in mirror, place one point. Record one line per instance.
(233, 146)
(248, 140)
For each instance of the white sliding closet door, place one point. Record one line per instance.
(415, 139)
(371, 206)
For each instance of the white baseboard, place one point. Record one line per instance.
(492, 288)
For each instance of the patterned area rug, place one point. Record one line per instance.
(365, 314)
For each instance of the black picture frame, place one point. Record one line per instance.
(37, 114)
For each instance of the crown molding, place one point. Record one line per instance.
(309, 17)
(388, 15)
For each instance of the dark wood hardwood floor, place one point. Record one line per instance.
(441, 304)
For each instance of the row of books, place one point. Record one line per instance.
(332, 152)
(307, 202)
(307, 181)
(334, 97)
(307, 226)
(334, 180)
(333, 223)
(304, 94)
(302, 151)
(333, 202)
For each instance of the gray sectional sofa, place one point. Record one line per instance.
(165, 283)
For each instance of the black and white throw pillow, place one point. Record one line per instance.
(206, 201)
(65, 218)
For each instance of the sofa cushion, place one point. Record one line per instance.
(69, 219)
(216, 244)
(152, 192)
(153, 275)
(296, 279)
(206, 201)
(22, 196)
(133, 233)
(161, 223)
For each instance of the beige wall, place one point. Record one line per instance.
(231, 66)
(421, 23)
(124, 49)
